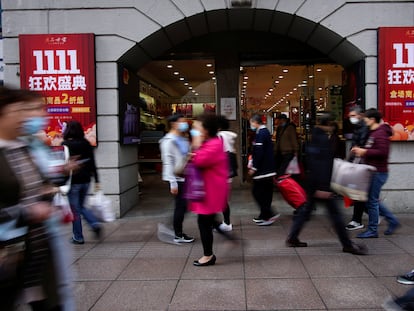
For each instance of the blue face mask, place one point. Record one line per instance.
(34, 124)
(253, 128)
(195, 133)
(183, 127)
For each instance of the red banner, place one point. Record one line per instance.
(396, 79)
(62, 68)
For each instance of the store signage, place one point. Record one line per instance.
(396, 79)
(62, 68)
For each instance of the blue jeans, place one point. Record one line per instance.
(374, 204)
(77, 195)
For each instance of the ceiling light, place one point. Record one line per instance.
(186, 83)
(277, 82)
(245, 77)
(196, 94)
(318, 69)
(285, 70)
(181, 79)
(190, 87)
(311, 76)
(244, 86)
(209, 65)
(169, 66)
(295, 89)
(280, 77)
(290, 92)
(176, 73)
(244, 82)
(271, 90)
(193, 91)
(304, 81)
(319, 89)
(214, 78)
(211, 72)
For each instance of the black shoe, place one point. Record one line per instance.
(295, 243)
(211, 262)
(98, 232)
(77, 242)
(356, 249)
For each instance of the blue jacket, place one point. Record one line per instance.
(262, 154)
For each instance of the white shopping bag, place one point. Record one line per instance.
(293, 167)
(101, 206)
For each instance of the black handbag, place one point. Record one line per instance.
(12, 251)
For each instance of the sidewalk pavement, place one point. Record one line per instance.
(131, 270)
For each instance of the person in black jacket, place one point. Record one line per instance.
(263, 171)
(320, 155)
(80, 148)
(359, 138)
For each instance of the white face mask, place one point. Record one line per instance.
(354, 120)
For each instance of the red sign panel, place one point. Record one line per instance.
(396, 79)
(62, 68)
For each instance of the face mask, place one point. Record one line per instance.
(183, 127)
(354, 120)
(195, 133)
(34, 125)
(252, 128)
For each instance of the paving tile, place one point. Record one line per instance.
(395, 288)
(258, 233)
(274, 267)
(114, 250)
(321, 247)
(132, 235)
(334, 266)
(221, 248)
(381, 246)
(87, 293)
(209, 295)
(160, 250)
(266, 248)
(282, 294)
(145, 268)
(388, 265)
(136, 295)
(351, 293)
(91, 269)
(404, 242)
(225, 268)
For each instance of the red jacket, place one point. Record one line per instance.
(378, 147)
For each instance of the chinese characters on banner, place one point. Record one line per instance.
(62, 68)
(396, 79)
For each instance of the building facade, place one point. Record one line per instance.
(135, 32)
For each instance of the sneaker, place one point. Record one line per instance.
(269, 221)
(225, 227)
(183, 239)
(98, 232)
(391, 228)
(390, 305)
(367, 235)
(257, 220)
(353, 225)
(77, 242)
(295, 243)
(356, 249)
(407, 279)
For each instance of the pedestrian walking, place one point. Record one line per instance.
(376, 152)
(359, 138)
(174, 148)
(79, 147)
(209, 157)
(319, 157)
(229, 139)
(286, 147)
(262, 171)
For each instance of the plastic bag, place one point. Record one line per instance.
(101, 207)
(293, 167)
(61, 202)
(194, 184)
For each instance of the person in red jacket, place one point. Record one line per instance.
(376, 152)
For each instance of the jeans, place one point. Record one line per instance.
(406, 301)
(179, 210)
(77, 195)
(263, 194)
(375, 206)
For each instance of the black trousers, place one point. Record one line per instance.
(282, 162)
(205, 225)
(179, 210)
(263, 194)
(226, 214)
(359, 208)
(334, 215)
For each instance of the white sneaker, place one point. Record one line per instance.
(225, 227)
(353, 225)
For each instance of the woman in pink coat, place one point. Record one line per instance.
(209, 157)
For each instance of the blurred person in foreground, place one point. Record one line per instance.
(79, 147)
(209, 157)
(320, 156)
(376, 153)
(262, 172)
(229, 140)
(359, 138)
(25, 196)
(174, 148)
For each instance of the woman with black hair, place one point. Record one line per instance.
(79, 147)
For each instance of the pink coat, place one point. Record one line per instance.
(213, 163)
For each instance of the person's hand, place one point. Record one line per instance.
(251, 172)
(39, 212)
(174, 191)
(97, 187)
(359, 152)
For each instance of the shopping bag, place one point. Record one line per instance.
(101, 207)
(12, 251)
(291, 191)
(348, 202)
(194, 183)
(351, 179)
(61, 202)
(293, 167)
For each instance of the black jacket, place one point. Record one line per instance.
(262, 154)
(360, 135)
(84, 150)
